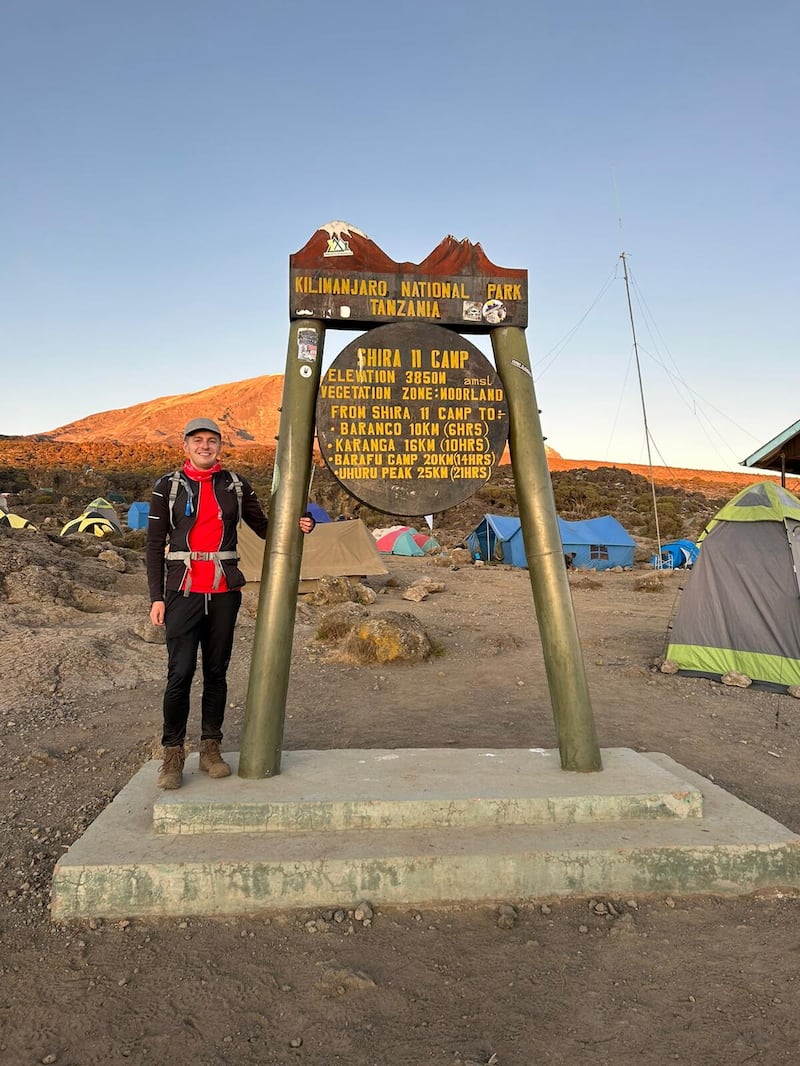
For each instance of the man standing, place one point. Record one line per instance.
(195, 588)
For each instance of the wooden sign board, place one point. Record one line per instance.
(345, 280)
(411, 418)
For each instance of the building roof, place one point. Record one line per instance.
(782, 453)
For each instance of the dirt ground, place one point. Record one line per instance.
(703, 981)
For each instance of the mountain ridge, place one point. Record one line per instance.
(248, 412)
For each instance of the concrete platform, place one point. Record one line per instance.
(417, 826)
(423, 788)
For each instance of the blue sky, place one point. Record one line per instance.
(161, 160)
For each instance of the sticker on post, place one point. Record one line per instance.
(307, 345)
(305, 371)
(494, 312)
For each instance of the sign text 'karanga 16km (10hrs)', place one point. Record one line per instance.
(411, 418)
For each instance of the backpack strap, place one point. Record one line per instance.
(236, 486)
(186, 558)
(176, 480)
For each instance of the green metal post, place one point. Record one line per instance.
(563, 658)
(262, 733)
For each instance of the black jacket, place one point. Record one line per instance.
(168, 574)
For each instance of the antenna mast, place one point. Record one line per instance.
(644, 407)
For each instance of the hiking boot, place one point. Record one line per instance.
(211, 761)
(171, 772)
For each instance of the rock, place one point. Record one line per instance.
(736, 680)
(113, 560)
(429, 584)
(363, 910)
(346, 980)
(360, 593)
(150, 634)
(416, 593)
(507, 916)
(649, 583)
(336, 623)
(390, 637)
(794, 690)
(669, 667)
(33, 583)
(331, 590)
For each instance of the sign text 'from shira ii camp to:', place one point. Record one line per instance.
(411, 418)
(342, 278)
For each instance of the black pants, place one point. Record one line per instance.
(198, 621)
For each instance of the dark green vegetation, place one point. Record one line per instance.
(58, 480)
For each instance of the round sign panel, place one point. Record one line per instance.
(411, 419)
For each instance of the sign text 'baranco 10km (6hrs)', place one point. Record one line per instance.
(411, 418)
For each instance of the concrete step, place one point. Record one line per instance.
(121, 867)
(423, 788)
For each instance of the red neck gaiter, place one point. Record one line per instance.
(200, 475)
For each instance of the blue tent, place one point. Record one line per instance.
(676, 554)
(137, 515)
(318, 513)
(498, 538)
(596, 543)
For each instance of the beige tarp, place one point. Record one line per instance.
(333, 549)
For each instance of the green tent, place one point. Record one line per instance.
(740, 609)
(103, 507)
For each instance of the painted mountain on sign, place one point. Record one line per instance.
(339, 243)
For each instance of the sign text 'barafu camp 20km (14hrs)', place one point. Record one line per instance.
(411, 417)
